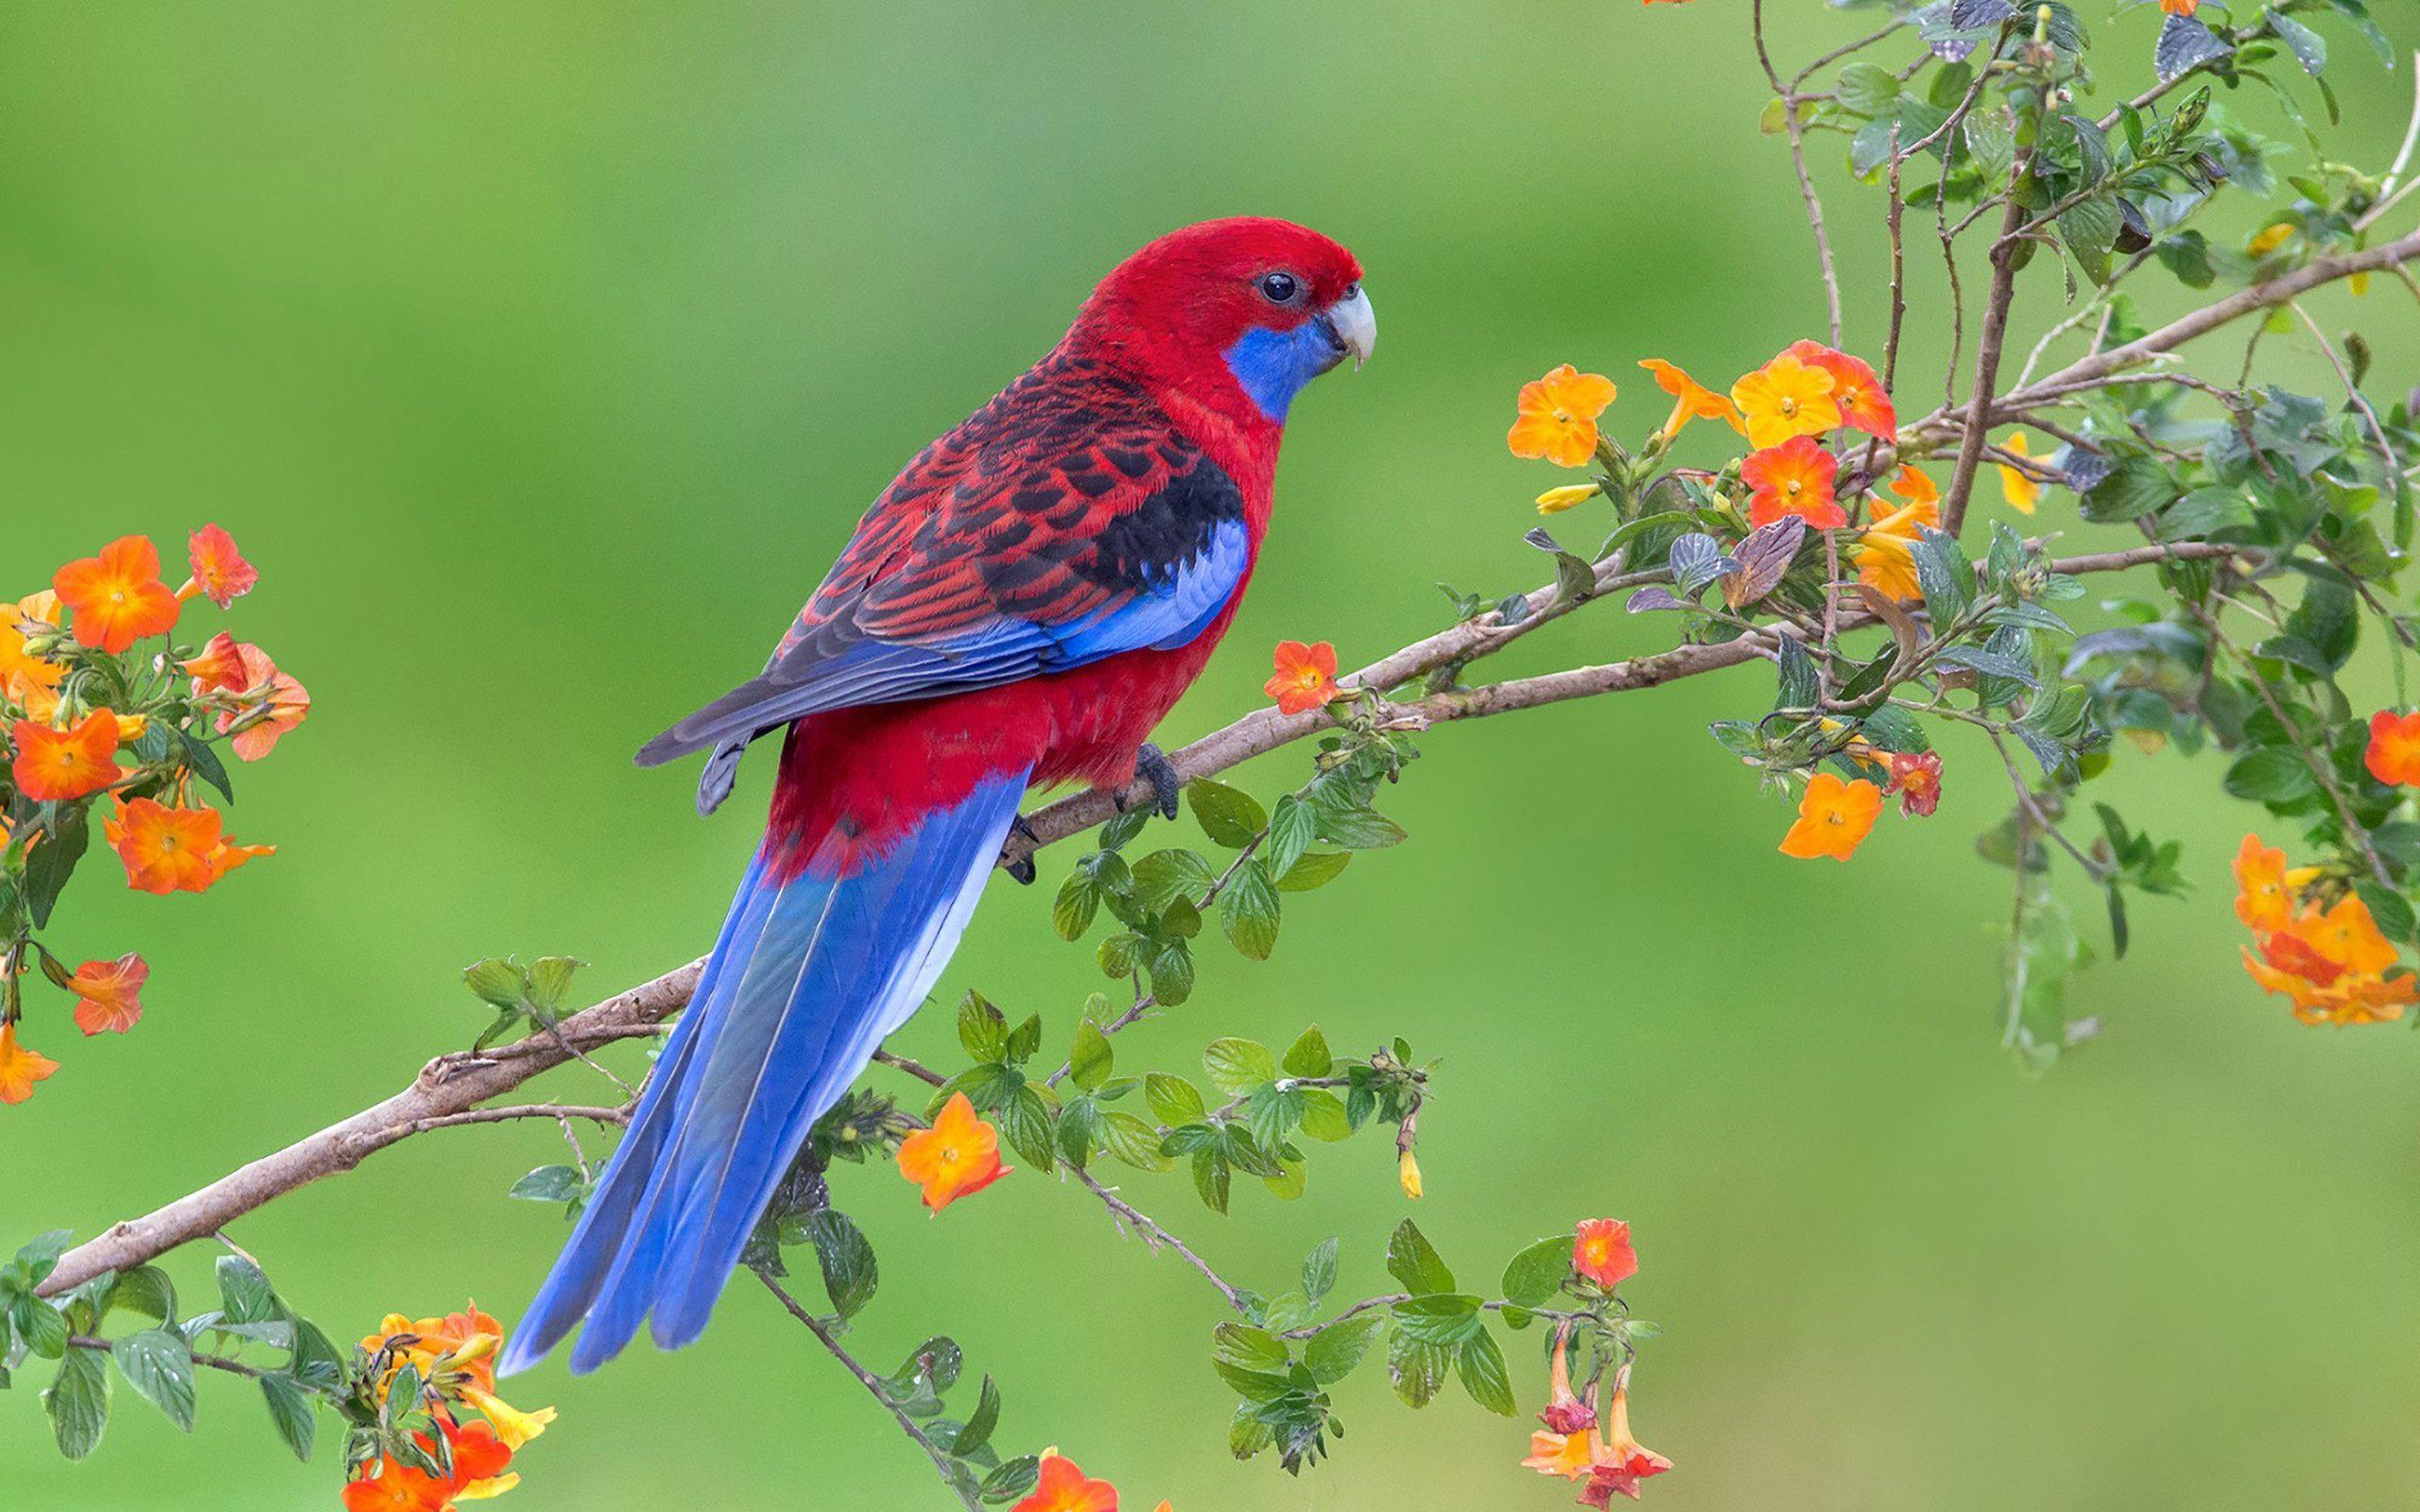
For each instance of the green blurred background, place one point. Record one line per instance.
(543, 354)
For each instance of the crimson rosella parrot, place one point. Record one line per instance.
(1019, 608)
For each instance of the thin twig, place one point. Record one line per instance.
(1797, 130)
(874, 1386)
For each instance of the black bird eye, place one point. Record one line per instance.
(1280, 288)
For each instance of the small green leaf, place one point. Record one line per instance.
(1249, 910)
(1480, 1364)
(1337, 1348)
(1229, 816)
(290, 1409)
(1308, 1055)
(1091, 1061)
(79, 1402)
(1314, 869)
(850, 1272)
(1535, 1274)
(1173, 1099)
(1412, 1260)
(244, 1293)
(1238, 1065)
(497, 981)
(159, 1366)
(1319, 1271)
(985, 1417)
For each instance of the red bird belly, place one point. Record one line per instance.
(854, 782)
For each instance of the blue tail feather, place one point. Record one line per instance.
(808, 975)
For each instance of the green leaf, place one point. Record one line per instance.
(850, 1272)
(1078, 900)
(39, 1324)
(1012, 1479)
(1308, 1055)
(79, 1402)
(1319, 1271)
(1173, 1099)
(1248, 911)
(1945, 576)
(1315, 869)
(497, 981)
(1337, 1348)
(50, 864)
(244, 1293)
(1538, 1271)
(1412, 1260)
(1416, 1368)
(1480, 1364)
(1356, 829)
(1868, 89)
(550, 979)
(2310, 47)
(1292, 826)
(1237, 1065)
(1026, 1122)
(1229, 816)
(1137, 1143)
(290, 1409)
(985, 1417)
(1798, 688)
(159, 1366)
(1091, 1061)
(1323, 1115)
(1211, 1178)
(549, 1183)
(982, 1029)
(147, 1290)
(2133, 488)
(2272, 774)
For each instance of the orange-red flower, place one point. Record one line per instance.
(2330, 964)
(1571, 1456)
(1912, 484)
(1856, 391)
(61, 766)
(220, 574)
(109, 993)
(178, 850)
(1557, 416)
(2394, 755)
(1834, 819)
(1691, 400)
(1786, 398)
(955, 1158)
(1602, 1252)
(1915, 775)
(1305, 678)
(1624, 1461)
(1063, 1489)
(2020, 488)
(118, 596)
(20, 1068)
(479, 1459)
(219, 665)
(1794, 477)
(275, 704)
(2180, 8)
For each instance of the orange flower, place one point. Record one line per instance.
(955, 1158)
(1305, 678)
(2266, 891)
(108, 994)
(1916, 777)
(1885, 551)
(1624, 1461)
(1691, 400)
(281, 702)
(1913, 486)
(2017, 486)
(59, 765)
(1602, 1252)
(1557, 416)
(2347, 936)
(1786, 398)
(464, 1342)
(23, 674)
(1063, 1489)
(118, 596)
(220, 666)
(220, 572)
(479, 1459)
(1856, 391)
(2394, 755)
(178, 850)
(1833, 819)
(2180, 8)
(1792, 478)
(20, 1068)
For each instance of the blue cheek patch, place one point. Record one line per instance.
(1274, 366)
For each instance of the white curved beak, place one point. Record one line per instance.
(1355, 324)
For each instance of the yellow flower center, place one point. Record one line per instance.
(1792, 487)
(949, 1155)
(1788, 406)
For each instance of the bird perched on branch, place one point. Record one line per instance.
(1019, 608)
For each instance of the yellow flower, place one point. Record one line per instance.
(2270, 238)
(1786, 398)
(514, 1427)
(1884, 552)
(1555, 500)
(2016, 486)
(1408, 1172)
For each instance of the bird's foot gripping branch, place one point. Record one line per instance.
(1915, 629)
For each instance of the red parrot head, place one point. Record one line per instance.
(1238, 315)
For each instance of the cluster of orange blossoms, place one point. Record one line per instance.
(1578, 1443)
(955, 1158)
(64, 745)
(455, 1358)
